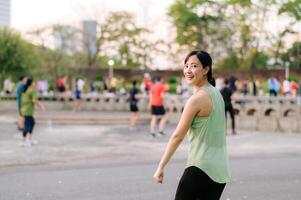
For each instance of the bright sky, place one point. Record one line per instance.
(30, 13)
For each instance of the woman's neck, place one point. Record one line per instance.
(197, 87)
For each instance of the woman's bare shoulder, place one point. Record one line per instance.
(201, 96)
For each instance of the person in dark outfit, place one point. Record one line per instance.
(20, 89)
(227, 93)
(133, 100)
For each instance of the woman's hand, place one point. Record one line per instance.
(159, 174)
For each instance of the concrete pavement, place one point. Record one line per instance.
(109, 162)
(118, 143)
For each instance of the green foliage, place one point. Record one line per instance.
(293, 8)
(137, 78)
(173, 88)
(193, 28)
(128, 41)
(17, 56)
(294, 77)
(173, 80)
(98, 78)
(232, 30)
(293, 56)
(229, 63)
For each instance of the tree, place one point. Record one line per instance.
(55, 61)
(195, 21)
(128, 42)
(17, 56)
(233, 31)
(293, 56)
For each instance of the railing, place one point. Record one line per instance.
(253, 113)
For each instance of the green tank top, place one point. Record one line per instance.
(207, 137)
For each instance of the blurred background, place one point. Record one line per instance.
(87, 147)
(79, 38)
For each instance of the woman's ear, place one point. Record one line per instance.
(207, 69)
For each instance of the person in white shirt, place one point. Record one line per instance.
(286, 87)
(79, 86)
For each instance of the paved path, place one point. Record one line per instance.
(114, 162)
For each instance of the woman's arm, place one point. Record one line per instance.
(190, 110)
(38, 103)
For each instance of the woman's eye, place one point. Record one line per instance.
(194, 66)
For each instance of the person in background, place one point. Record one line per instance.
(299, 93)
(133, 101)
(157, 108)
(29, 100)
(273, 86)
(8, 86)
(147, 83)
(244, 88)
(20, 89)
(294, 88)
(232, 83)
(286, 85)
(254, 87)
(113, 83)
(61, 85)
(227, 93)
(79, 86)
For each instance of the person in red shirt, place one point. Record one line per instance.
(157, 107)
(294, 88)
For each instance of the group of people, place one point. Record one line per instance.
(203, 120)
(27, 99)
(156, 105)
(156, 92)
(287, 88)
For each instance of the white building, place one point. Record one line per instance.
(89, 37)
(5, 6)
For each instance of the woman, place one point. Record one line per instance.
(203, 118)
(29, 100)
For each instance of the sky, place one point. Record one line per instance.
(28, 14)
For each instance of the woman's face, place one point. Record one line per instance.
(194, 72)
(32, 85)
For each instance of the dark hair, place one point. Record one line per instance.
(21, 77)
(134, 82)
(226, 82)
(27, 84)
(206, 61)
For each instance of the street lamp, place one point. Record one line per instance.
(111, 72)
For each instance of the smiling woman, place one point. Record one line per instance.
(203, 120)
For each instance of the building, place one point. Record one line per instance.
(5, 6)
(89, 37)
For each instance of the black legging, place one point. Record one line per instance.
(197, 185)
(29, 123)
(229, 109)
